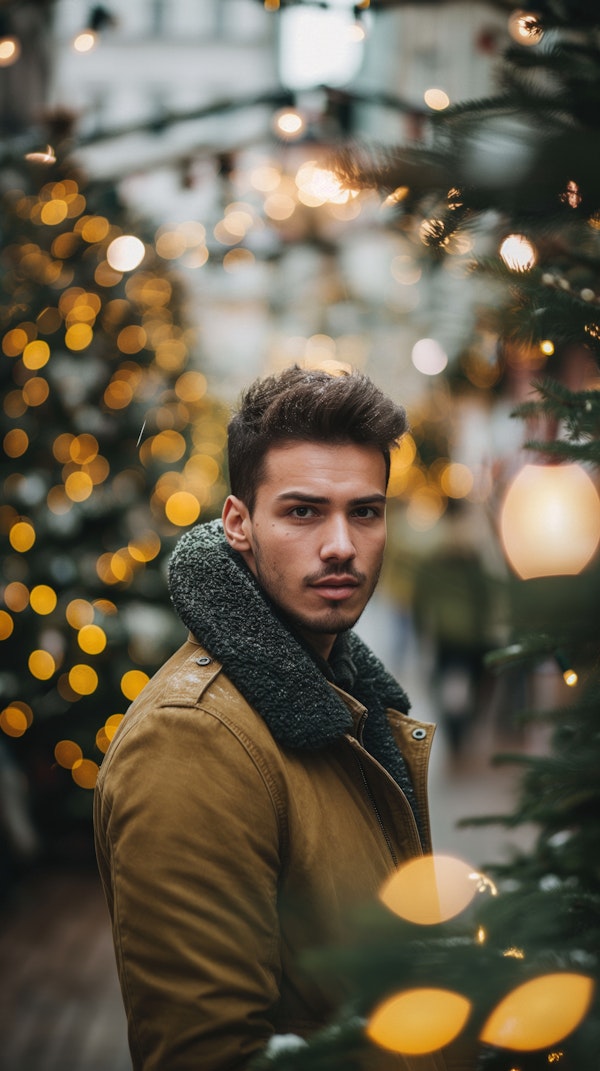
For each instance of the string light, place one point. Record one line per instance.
(436, 99)
(525, 27)
(10, 50)
(518, 253)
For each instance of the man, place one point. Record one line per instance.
(267, 780)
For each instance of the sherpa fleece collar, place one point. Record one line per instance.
(221, 603)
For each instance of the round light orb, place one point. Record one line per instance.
(525, 27)
(10, 50)
(429, 357)
(288, 123)
(518, 253)
(418, 1021)
(436, 99)
(125, 252)
(539, 1013)
(550, 521)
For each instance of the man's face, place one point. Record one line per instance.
(316, 537)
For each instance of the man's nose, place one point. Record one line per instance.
(337, 542)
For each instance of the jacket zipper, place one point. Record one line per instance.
(370, 793)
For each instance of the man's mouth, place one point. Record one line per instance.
(336, 587)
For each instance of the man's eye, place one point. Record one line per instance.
(366, 511)
(302, 511)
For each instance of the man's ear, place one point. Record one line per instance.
(236, 523)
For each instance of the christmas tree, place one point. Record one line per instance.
(513, 183)
(110, 446)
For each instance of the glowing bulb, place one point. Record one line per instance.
(288, 123)
(10, 50)
(525, 27)
(431, 889)
(436, 99)
(47, 157)
(539, 1013)
(518, 253)
(125, 253)
(570, 677)
(418, 1020)
(550, 520)
(85, 42)
(547, 347)
(132, 683)
(428, 357)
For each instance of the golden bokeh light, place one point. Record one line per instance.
(22, 536)
(36, 391)
(79, 612)
(118, 394)
(85, 773)
(418, 1021)
(132, 683)
(78, 336)
(131, 339)
(43, 599)
(94, 229)
(550, 520)
(79, 486)
(36, 354)
(41, 665)
(431, 889)
(91, 639)
(145, 547)
(10, 50)
(83, 679)
(112, 724)
(436, 99)
(191, 386)
(16, 596)
(456, 480)
(85, 41)
(182, 508)
(14, 342)
(7, 625)
(15, 442)
(67, 752)
(540, 1012)
(16, 718)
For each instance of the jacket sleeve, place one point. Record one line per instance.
(188, 845)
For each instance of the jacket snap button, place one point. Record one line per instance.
(419, 734)
(204, 661)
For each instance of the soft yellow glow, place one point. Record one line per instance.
(125, 253)
(132, 683)
(79, 612)
(43, 599)
(131, 339)
(16, 596)
(550, 520)
(67, 753)
(112, 724)
(191, 386)
(79, 486)
(570, 678)
(15, 442)
(525, 27)
(418, 1020)
(7, 625)
(15, 719)
(85, 42)
(279, 206)
(539, 1013)
(430, 889)
(91, 639)
(288, 123)
(518, 253)
(456, 480)
(145, 547)
(53, 212)
(318, 185)
(480, 936)
(83, 679)
(14, 342)
(436, 99)
(36, 354)
(78, 336)
(22, 536)
(547, 347)
(182, 508)
(95, 229)
(10, 50)
(36, 391)
(85, 773)
(41, 665)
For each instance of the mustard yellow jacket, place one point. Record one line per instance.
(237, 826)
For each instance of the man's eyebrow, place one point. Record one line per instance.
(322, 500)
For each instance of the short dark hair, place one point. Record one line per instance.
(307, 405)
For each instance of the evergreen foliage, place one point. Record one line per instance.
(110, 445)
